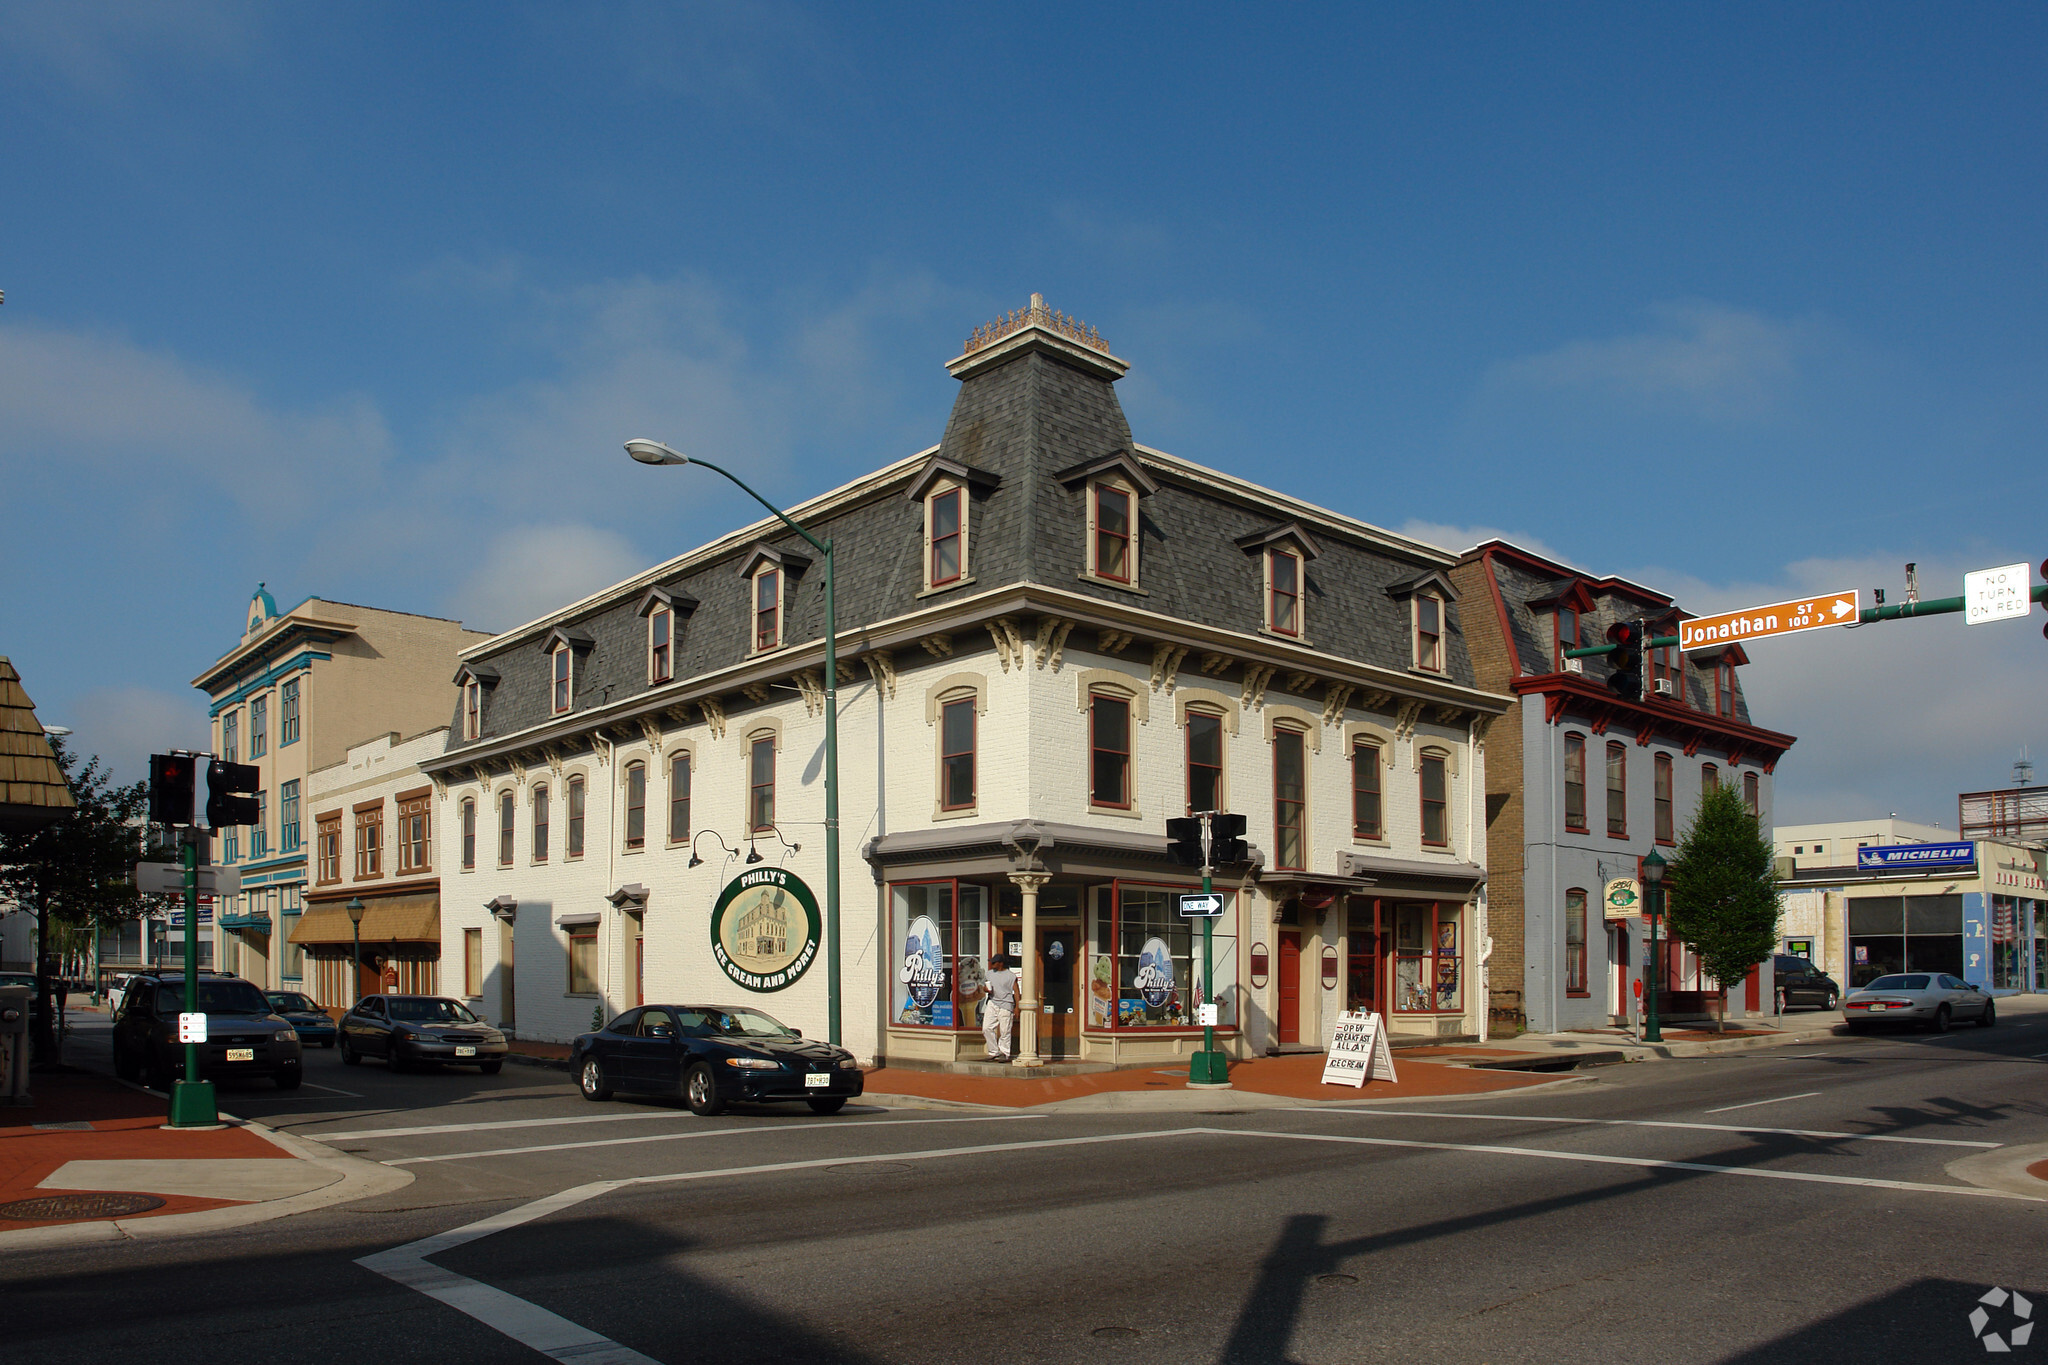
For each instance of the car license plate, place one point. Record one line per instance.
(1879, 1007)
(241, 1054)
(465, 1052)
(818, 1080)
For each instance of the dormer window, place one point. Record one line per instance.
(1569, 625)
(1115, 549)
(767, 609)
(1429, 633)
(472, 709)
(564, 678)
(1283, 592)
(661, 624)
(1724, 686)
(946, 530)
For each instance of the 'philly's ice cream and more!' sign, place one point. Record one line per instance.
(764, 929)
(1908, 857)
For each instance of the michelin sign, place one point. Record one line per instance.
(1910, 857)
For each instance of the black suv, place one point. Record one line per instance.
(1803, 983)
(244, 1036)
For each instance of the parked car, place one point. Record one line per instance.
(314, 1025)
(1932, 999)
(711, 1055)
(244, 1036)
(117, 989)
(408, 1030)
(23, 979)
(1802, 983)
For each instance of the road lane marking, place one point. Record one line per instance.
(427, 1128)
(1645, 1123)
(308, 1085)
(562, 1340)
(1731, 1108)
(709, 1133)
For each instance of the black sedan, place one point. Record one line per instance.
(408, 1030)
(712, 1055)
(244, 1036)
(1802, 983)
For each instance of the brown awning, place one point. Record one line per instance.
(408, 919)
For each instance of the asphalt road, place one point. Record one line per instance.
(1795, 1204)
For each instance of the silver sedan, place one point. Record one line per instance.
(1932, 999)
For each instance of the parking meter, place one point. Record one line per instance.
(14, 1010)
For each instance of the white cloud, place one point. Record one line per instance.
(528, 571)
(125, 725)
(1725, 363)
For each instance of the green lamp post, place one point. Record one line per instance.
(1653, 889)
(355, 919)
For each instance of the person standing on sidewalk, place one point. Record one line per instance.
(999, 1010)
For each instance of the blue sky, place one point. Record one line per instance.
(360, 301)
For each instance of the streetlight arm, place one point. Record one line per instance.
(816, 543)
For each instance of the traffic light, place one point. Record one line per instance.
(1625, 678)
(1184, 841)
(231, 794)
(1227, 846)
(173, 788)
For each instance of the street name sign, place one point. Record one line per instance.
(1997, 594)
(1201, 906)
(168, 879)
(1779, 618)
(1359, 1051)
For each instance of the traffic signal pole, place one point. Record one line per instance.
(1209, 1068)
(192, 1103)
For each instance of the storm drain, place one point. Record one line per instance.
(79, 1206)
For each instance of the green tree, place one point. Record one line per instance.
(1722, 889)
(73, 874)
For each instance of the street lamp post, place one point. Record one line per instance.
(655, 453)
(1653, 879)
(355, 919)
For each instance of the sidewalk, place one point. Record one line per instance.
(93, 1161)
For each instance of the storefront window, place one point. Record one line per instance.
(1426, 969)
(1145, 960)
(938, 933)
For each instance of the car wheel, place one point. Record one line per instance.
(827, 1106)
(700, 1090)
(492, 1067)
(289, 1077)
(590, 1079)
(1989, 1017)
(349, 1056)
(1830, 1000)
(1941, 1020)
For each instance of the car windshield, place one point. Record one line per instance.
(430, 1011)
(1898, 983)
(742, 1024)
(215, 997)
(286, 1000)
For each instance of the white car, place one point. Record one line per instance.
(1931, 999)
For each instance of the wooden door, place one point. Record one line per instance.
(1290, 986)
(1058, 1019)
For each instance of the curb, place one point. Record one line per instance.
(354, 1179)
(2005, 1169)
(549, 1063)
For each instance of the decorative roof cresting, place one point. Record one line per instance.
(1037, 315)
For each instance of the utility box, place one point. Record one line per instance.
(14, 1008)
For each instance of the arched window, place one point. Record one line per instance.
(1665, 832)
(1367, 820)
(505, 813)
(540, 824)
(1290, 798)
(679, 797)
(1575, 941)
(761, 782)
(1109, 750)
(1434, 778)
(1575, 783)
(636, 805)
(957, 752)
(576, 803)
(1617, 790)
(1205, 760)
(468, 834)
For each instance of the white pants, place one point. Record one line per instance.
(996, 1021)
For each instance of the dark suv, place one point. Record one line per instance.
(244, 1036)
(1803, 983)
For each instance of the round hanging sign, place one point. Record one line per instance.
(765, 930)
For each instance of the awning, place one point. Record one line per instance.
(573, 919)
(408, 919)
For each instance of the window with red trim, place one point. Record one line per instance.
(636, 805)
(1427, 975)
(1617, 790)
(1575, 783)
(768, 609)
(1436, 799)
(1113, 533)
(947, 561)
(1566, 622)
(1661, 779)
(761, 784)
(1109, 751)
(1575, 942)
(1710, 778)
(660, 645)
(1145, 959)
(1283, 592)
(1724, 687)
(1750, 788)
(564, 678)
(956, 754)
(1290, 799)
(1205, 760)
(1366, 819)
(1429, 633)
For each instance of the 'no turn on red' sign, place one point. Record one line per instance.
(1997, 594)
(1779, 618)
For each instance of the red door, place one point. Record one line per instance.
(1753, 989)
(1290, 986)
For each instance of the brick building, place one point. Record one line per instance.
(1581, 785)
(1051, 639)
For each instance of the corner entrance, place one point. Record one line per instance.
(1058, 1026)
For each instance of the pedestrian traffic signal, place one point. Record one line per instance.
(1625, 664)
(1184, 841)
(231, 794)
(173, 788)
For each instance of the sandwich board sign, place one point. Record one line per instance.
(1359, 1052)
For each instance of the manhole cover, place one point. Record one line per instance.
(1336, 1279)
(79, 1206)
(1115, 1333)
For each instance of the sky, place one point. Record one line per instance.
(359, 301)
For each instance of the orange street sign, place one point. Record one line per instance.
(1779, 618)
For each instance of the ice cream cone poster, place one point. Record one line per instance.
(765, 929)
